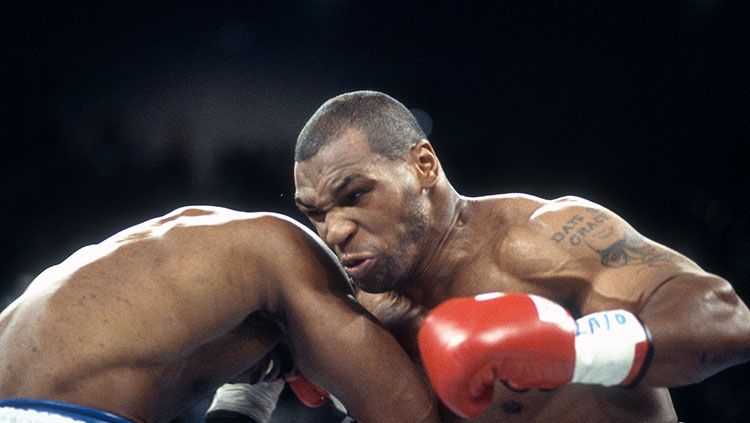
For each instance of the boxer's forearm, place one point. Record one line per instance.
(699, 326)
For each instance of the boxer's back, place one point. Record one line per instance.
(140, 320)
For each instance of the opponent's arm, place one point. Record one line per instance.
(336, 343)
(397, 314)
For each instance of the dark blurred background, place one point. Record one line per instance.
(115, 112)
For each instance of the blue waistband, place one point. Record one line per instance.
(74, 411)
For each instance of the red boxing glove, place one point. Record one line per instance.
(526, 341)
(309, 393)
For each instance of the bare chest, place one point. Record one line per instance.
(486, 274)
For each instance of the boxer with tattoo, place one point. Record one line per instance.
(518, 307)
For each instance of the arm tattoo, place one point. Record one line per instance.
(580, 226)
(592, 226)
(631, 250)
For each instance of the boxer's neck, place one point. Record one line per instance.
(444, 250)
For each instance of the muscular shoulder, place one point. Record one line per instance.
(512, 204)
(213, 237)
(206, 223)
(571, 222)
(504, 211)
(272, 251)
(520, 210)
(581, 243)
(295, 260)
(212, 217)
(556, 236)
(566, 218)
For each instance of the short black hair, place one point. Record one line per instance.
(389, 127)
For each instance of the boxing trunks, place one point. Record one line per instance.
(43, 411)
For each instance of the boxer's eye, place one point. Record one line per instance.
(353, 196)
(353, 193)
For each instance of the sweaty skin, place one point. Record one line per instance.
(569, 250)
(153, 319)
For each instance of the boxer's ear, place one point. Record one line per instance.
(425, 163)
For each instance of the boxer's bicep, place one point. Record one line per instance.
(339, 346)
(398, 315)
(619, 266)
(698, 324)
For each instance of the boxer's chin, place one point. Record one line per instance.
(376, 282)
(384, 273)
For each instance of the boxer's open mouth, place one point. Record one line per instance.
(357, 267)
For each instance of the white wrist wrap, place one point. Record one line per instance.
(256, 401)
(606, 344)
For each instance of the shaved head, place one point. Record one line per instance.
(389, 127)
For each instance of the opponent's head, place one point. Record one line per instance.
(363, 173)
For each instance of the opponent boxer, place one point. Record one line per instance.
(517, 270)
(144, 324)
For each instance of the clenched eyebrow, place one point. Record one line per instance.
(342, 186)
(336, 191)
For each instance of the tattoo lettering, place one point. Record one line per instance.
(590, 228)
(631, 250)
(579, 227)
